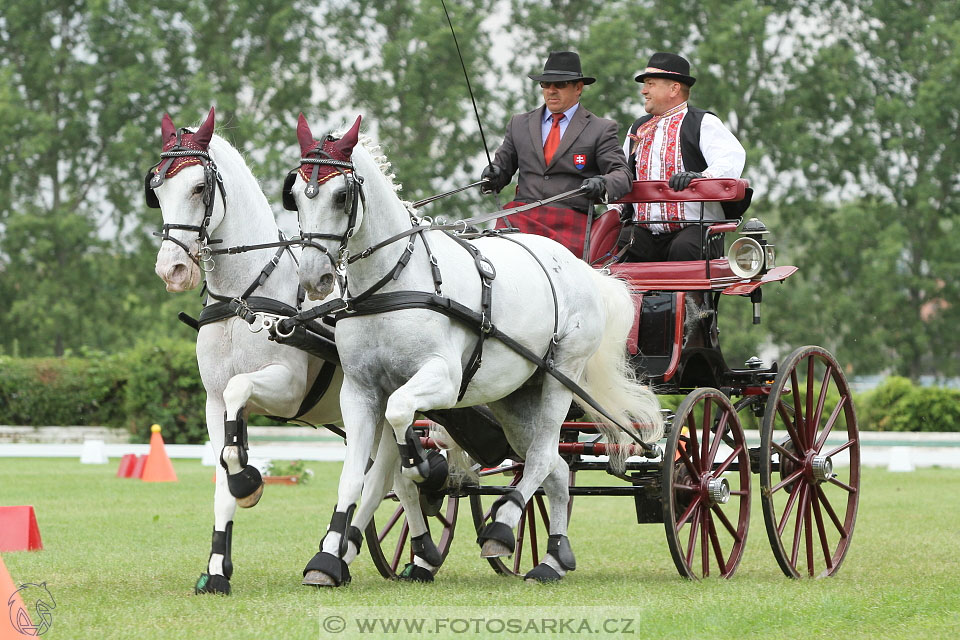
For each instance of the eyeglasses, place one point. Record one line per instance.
(559, 85)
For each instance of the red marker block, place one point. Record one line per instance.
(19, 530)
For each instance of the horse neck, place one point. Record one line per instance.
(248, 220)
(384, 216)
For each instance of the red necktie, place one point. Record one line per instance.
(553, 139)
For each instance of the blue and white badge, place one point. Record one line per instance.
(579, 160)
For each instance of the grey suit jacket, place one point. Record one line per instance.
(589, 140)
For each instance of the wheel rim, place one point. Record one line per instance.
(533, 529)
(705, 458)
(389, 544)
(810, 488)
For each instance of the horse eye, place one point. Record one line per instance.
(340, 197)
(198, 189)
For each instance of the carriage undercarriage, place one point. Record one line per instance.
(807, 458)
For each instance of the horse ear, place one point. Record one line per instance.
(167, 129)
(304, 136)
(349, 139)
(205, 132)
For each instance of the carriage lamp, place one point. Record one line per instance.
(751, 254)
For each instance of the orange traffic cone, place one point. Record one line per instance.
(9, 596)
(158, 467)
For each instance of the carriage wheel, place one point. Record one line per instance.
(390, 544)
(810, 488)
(706, 486)
(533, 529)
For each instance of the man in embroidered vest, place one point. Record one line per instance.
(679, 143)
(559, 147)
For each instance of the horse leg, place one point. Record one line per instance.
(361, 410)
(377, 482)
(531, 418)
(435, 385)
(278, 391)
(559, 558)
(216, 579)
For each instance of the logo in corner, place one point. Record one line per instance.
(579, 160)
(37, 597)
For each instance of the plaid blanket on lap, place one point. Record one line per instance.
(565, 226)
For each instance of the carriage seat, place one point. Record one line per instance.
(606, 229)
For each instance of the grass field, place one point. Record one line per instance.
(121, 557)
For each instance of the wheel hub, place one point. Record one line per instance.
(822, 468)
(718, 491)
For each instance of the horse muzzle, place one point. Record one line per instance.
(317, 275)
(177, 272)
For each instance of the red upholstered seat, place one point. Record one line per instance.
(603, 235)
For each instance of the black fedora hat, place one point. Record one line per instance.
(560, 66)
(670, 66)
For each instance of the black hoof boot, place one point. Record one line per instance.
(246, 486)
(326, 570)
(212, 584)
(415, 573)
(543, 573)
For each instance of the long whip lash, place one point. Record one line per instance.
(467, 78)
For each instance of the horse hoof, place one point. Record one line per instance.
(415, 573)
(494, 549)
(252, 499)
(542, 574)
(318, 579)
(212, 584)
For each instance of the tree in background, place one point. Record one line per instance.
(404, 76)
(84, 87)
(848, 111)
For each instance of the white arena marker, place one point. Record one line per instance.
(900, 459)
(93, 452)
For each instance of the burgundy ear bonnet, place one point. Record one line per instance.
(329, 148)
(174, 139)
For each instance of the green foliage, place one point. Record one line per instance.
(164, 388)
(296, 468)
(898, 405)
(62, 391)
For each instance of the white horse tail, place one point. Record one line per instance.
(610, 379)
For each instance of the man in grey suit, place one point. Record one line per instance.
(558, 147)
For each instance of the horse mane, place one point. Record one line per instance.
(382, 163)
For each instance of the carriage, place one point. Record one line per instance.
(698, 485)
(701, 488)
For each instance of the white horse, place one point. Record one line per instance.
(400, 361)
(211, 201)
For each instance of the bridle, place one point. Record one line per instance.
(211, 176)
(318, 157)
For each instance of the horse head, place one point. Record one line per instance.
(325, 191)
(184, 186)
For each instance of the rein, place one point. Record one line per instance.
(370, 302)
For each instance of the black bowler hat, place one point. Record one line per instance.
(669, 66)
(560, 66)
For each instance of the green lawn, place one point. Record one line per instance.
(121, 557)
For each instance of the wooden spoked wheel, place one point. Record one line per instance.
(389, 543)
(706, 486)
(532, 531)
(810, 487)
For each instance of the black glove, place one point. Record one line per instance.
(594, 188)
(680, 181)
(490, 174)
